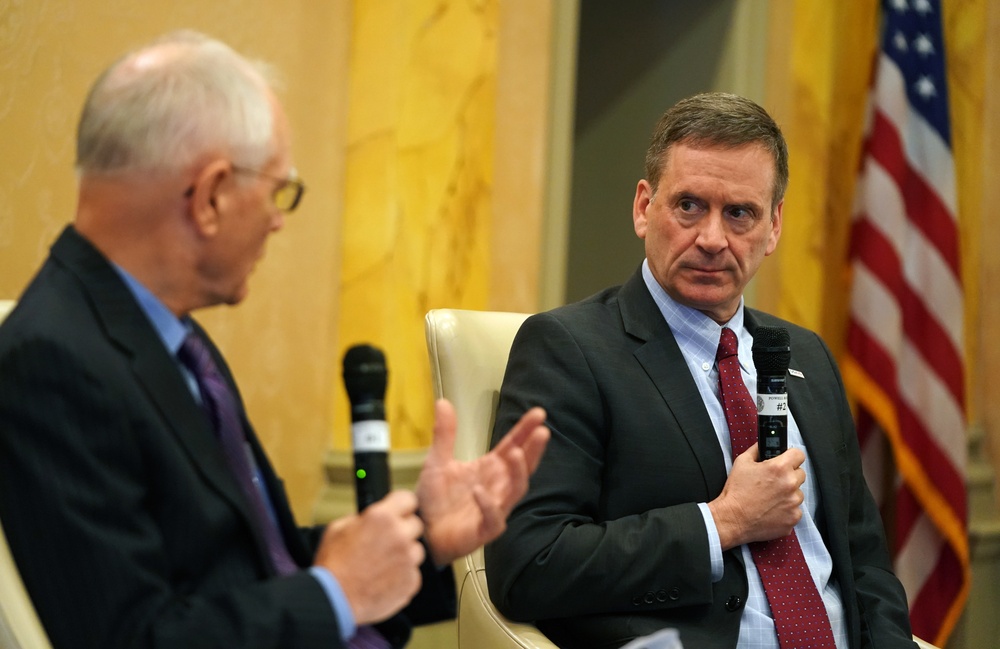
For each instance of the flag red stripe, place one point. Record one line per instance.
(937, 465)
(939, 469)
(931, 605)
(919, 323)
(905, 515)
(924, 208)
(880, 366)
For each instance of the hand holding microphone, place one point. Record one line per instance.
(374, 555)
(761, 501)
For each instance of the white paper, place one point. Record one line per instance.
(663, 639)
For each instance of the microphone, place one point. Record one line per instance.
(771, 353)
(365, 377)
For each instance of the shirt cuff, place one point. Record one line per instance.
(714, 543)
(338, 601)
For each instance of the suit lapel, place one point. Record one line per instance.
(154, 369)
(663, 362)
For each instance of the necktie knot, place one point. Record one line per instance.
(195, 355)
(728, 344)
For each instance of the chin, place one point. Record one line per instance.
(237, 296)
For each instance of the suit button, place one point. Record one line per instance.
(636, 600)
(734, 603)
(661, 595)
(650, 597)
(675, 594)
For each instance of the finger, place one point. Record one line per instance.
(750, 453)
(516, 483)
(520, 431)
(534, 448)
(399, 502)
(445, 422)
(494, 517)
(417, 553)
(413, 527)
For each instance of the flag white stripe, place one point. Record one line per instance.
(924, 269)
(925, 151)
(918, 557)
(876, 311)
(928, 396)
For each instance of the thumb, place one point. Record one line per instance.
(445, 423)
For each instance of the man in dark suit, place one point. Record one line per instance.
(130, 521)
(641, 517)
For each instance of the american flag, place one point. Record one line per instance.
(905, 332)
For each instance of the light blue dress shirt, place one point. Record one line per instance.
(172, 332)
(698, 336)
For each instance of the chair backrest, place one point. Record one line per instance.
(19, 626)
(468, 353)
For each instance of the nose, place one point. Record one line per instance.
(712, 233)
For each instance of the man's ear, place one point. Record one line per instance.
(775, 234)
(640, 204)
(204, 194)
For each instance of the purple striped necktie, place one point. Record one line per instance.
(800, 617)
(220, 404)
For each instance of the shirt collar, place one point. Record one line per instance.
(169, 327)
(694, 330)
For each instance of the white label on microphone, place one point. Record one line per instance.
(772, 404)
(370, 436)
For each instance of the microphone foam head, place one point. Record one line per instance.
(771, 351)
(365, 373)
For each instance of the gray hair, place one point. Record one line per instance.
(722, 120)
(166, 104)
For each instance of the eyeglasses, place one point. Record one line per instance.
(287, 194)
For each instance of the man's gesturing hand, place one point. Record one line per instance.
(466, 504)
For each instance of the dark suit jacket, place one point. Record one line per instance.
(120, 511)
(609, 544)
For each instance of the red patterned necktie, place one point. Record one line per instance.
(220, 403)
(800, 617)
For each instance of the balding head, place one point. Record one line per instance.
(181, 147)
(164, 106)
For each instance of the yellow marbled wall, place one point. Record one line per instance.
(424, 202)
(280, 341)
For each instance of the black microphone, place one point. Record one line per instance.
(365, 377)
(771, 353)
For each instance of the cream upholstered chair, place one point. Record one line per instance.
(19, 626)
(468, 352)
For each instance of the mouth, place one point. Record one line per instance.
(707, 271)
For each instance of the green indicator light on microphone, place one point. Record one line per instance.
(361, 474)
